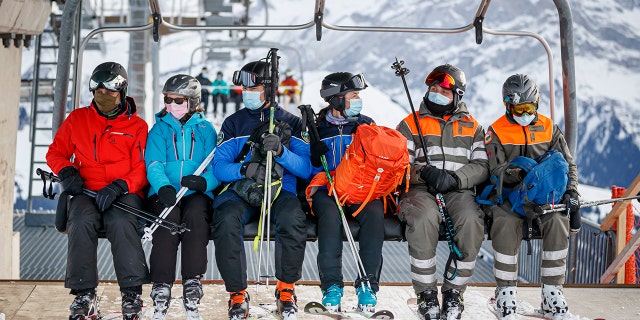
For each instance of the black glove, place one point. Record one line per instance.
(442, 181)
(572, 202)
(195, 183)
(107, 195)
(271, 142)
(318, 149)
(167, 195)
(513, 177)
(71, 180)
(255, 171)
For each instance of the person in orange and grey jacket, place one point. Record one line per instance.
(178, 144)
(522, 131)
(101, 148)
(456, 162)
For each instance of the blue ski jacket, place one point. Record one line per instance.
(175, 150)
(236, 130)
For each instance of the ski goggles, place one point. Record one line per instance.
(444, 80)
(247, 79)
(520, 109)
(107, 80)
(168, 100)
(355, 83)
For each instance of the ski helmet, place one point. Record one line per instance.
(519, 89)
(336, 85)
(449, 77)
(111, 76)
(184, 85)
(254, 74)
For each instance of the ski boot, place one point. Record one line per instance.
(239, 305)
(428, 305)
(84, 305)
(161, 296)
(331, 298)
(366, 298)
(553, 304)
(191, 294)
(452, 304)
(131, 303)
(286, 301)
(506, 303)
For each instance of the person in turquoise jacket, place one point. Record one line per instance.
(178, 143)
(220, 93)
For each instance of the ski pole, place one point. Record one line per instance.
(148, 231)
(547, 208)
(454, 254)
(307, 114)
(172, 227)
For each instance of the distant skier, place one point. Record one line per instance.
(205, 83)
(101, 148)
(290, 92)
(178, 143)
(240, 161)
(220, 93)
(522, 131)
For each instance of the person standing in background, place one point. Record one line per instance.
(220, 93)
(204, 93)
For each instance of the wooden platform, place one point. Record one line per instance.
(21, 300)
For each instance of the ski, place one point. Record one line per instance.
(525, 309)
(318, 308)
(271, 308)
(144, 313)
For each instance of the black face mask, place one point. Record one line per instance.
(437, 109)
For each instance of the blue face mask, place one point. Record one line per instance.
(252, 100)
(355, 106)
(438, 99)
(525, 119)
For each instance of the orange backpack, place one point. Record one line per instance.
(375, 164)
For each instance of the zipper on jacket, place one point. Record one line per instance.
(141, 157)
(184, 147)
(193, 142)
(95, 148)
(175, 144)
(526, 140)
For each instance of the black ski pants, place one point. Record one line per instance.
(231, 213)
(331, 232)
(120, 227)
(194, 211)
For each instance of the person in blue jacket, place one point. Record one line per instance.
(243, 143)
(336, 123)
(178, 143)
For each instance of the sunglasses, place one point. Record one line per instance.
(107, 80)
(520, 109)
(168, 100)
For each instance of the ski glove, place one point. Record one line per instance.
(318, 149)
(195, 183)
(439, 180)
(107, 195)
(271, 142)
(167, 195)
(255, 171)
(71, 180)
(572, 202)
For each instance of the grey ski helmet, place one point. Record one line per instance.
(184, 85)
(111, 76)
(335, 85)
(519, 89)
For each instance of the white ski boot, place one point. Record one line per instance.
(553, 304)
(506, 303)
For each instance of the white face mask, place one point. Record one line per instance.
(438, 98)
(252, 100)
(525, 119)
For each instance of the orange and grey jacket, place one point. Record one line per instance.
(505, 140)
(454, 142)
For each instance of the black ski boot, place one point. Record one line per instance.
(84, 305)
(131, 302)
(452, 304)
(428, 305)
(239, 305)
(161, 296)
(191, 294)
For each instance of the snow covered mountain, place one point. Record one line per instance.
(607, 63)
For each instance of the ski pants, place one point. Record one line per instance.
(223, 98)
(194, 211)
(230, 215)
(331, 232)
(83, 225)
(419, 209)
(506, 234)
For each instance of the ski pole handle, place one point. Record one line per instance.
(547, 208)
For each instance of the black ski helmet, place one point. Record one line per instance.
(519, 89)
(111, 76)
(254, 74)
(184, 85)
(458, 86)
(336, 85)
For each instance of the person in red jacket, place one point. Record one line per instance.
(100, 148)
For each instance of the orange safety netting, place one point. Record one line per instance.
(630, 265)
